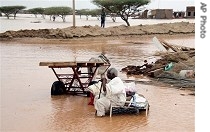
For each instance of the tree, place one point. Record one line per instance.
(83, 12)
(124, 8)
(95, 12)
(58, 11)
(7, 10)
(37, 11)
(87, 12)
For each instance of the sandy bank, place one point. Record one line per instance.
(96, 31)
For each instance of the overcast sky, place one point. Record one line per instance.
(176, 5)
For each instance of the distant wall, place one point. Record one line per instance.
(161, 14)
(169, 13)
(144, 14)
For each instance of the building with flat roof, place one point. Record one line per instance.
(190, 12)
(160, 14)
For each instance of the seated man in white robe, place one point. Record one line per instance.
(114, 93)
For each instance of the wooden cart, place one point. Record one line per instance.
(73, 77)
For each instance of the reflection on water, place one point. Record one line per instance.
(26, 103)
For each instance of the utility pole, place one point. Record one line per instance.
(158, 3)
(74, 24)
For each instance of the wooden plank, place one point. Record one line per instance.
(168, 45)
(70, 64)
(57, 64)
(91, 64)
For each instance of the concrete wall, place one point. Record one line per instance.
(144, 14)
(162, 14)
(169, 13)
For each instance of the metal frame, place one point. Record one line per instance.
(77, 80)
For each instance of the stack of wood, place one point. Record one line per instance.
(175, 48)
(174, 53)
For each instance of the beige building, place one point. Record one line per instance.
(190, 12)
(160, 14)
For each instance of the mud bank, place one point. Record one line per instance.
(96, 31)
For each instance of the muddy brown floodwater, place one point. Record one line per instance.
(26, 103)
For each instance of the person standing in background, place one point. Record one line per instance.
(103, 16)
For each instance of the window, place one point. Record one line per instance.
(189, 14)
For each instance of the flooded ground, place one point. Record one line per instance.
(26, 103)
(28, 21)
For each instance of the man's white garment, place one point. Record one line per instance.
(115, 95)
